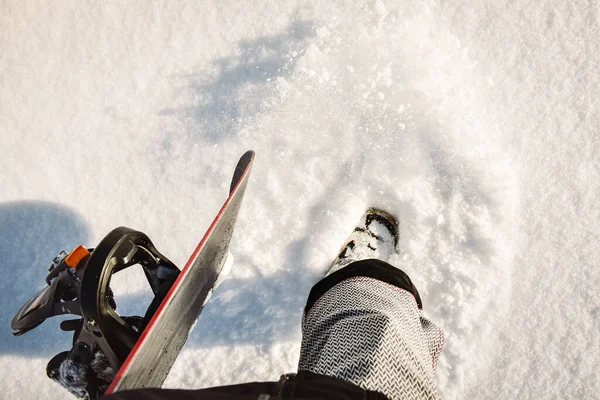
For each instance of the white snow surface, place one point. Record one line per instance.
(476, 123)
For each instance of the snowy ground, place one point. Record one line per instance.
(477, 125)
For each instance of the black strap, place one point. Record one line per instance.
(370, 268)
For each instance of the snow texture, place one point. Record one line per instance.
(475, 123)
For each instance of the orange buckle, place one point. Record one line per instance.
(75, 257)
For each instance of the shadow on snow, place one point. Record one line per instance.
(220, 104)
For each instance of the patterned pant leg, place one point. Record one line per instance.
(373, 334)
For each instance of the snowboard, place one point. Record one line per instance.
(113, 352)
(150, 361)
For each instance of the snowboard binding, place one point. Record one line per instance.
(79, 284)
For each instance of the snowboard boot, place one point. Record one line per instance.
(375, 236)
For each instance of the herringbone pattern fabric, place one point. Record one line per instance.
(372, 334)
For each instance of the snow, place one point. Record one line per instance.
(477, 125)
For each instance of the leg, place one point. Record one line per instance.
(363, 323)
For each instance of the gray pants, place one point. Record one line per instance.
(365, 326)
